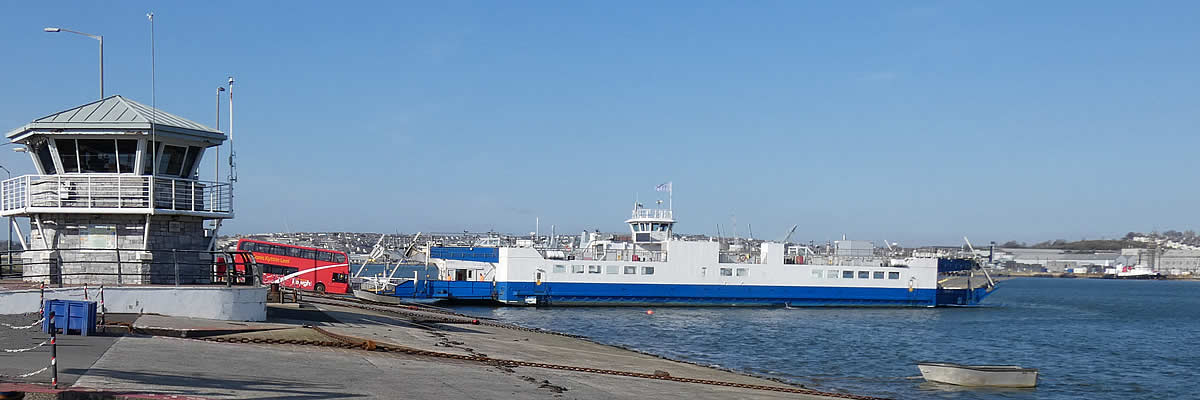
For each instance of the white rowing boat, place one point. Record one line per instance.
(979, 375)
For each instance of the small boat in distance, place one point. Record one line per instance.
(979, 375)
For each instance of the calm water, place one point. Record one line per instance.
(1096, 339)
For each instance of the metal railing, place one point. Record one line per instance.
(651, 213)
(187, 267)
(604, 255)
(93, 192)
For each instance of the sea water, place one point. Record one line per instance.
(1093, 339)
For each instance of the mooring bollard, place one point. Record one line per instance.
(101, 304)
(53, 352)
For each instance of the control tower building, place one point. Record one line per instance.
(117, 198)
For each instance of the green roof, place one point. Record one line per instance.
(118, 113)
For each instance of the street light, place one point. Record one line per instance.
(97, 37)
(8, 255)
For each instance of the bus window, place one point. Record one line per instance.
(295, 252)
(339, 258)
(340, 278)
(308, 253)
(246, 246)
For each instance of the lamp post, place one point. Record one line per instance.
(97, 37)
(9, 254)
(217, 158)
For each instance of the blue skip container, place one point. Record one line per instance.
(70, 316)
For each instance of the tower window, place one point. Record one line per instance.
(67, 154)
(42, 149)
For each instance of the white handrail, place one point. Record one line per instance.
(111, 191)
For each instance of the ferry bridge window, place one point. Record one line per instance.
(67, 154)
(893, 275)
(743, 271)
(647, 270)
(848, 274)
(558, 269)
(833, 274)
(630, 270)
(593, 269)
(726, 271)
(816, 273)
(864, 274)
(612, 269)
(878, 275)
(577, 269)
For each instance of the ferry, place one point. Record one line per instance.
(654, 268)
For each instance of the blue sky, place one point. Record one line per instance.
(918, 122)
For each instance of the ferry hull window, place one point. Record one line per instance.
(848, 274)
(647, 270)
(878, 275)
(630, 270)
(558, 269)
(726, 271)
(577, 269)
(593, 269)
(864, 274)
(743, 271)
(833, 274)
(893, 275)
(816, 273)
(612, 269)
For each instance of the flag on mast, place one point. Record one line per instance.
(666, 187)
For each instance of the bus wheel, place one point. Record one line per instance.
(320, 288)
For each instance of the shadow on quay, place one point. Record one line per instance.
(201, 386)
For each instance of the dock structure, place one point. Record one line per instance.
(117, 198)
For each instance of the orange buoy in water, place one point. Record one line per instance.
(649, 312)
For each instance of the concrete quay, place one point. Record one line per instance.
(155, 356)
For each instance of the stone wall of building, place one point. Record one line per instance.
(112, 249)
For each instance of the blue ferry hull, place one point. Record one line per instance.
(617, 294)
(612, 294)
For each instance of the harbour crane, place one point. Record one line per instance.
(789, 234)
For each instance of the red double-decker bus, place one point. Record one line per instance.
(319, 270)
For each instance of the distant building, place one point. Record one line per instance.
(1165, 261)
(1053, 260)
